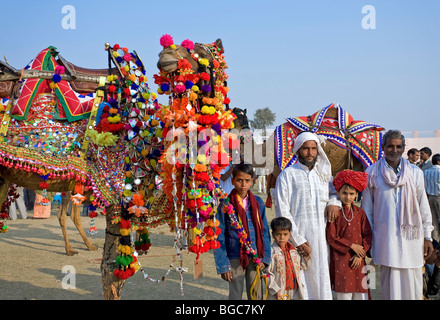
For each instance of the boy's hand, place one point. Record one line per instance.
(227, 276)
(356, 262)
(358, 249)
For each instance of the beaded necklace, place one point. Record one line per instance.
(352, 215)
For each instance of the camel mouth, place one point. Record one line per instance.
(168, 65)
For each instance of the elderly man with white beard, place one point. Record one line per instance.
(305, 195)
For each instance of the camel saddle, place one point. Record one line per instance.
(82, 80)
(75, 91)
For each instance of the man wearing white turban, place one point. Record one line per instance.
(305, 195)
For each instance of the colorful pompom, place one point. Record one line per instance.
(188, 44)
(166, 40)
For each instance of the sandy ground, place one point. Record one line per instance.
(34, 266)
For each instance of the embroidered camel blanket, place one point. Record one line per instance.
(364, 139)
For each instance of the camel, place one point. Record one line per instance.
(194, 77)
(98, 143)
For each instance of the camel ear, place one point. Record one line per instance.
(245, 110)
(219, 45)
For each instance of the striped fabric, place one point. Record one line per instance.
(363, 138)
(432, 180)
(71, 105)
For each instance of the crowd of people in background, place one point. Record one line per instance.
(39, 205)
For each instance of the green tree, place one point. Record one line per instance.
(263, 119)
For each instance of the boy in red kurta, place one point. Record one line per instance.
(349, 237)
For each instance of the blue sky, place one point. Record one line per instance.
(294, 57)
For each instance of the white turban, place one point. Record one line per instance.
(322, 166)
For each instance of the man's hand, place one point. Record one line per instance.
(331, 212)
(428, 249)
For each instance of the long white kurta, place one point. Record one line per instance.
(302, 197)
(382, 207)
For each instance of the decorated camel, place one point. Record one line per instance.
(92, 133)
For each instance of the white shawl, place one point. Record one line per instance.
(409, 215)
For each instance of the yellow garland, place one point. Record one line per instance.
(114, 119)
(204, 62)
(106, 139)
(125, 249)
(208, 110)
(125, 232)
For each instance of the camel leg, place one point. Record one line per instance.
(62, 218)
(4, 187)
(76, 218)
(112, 286)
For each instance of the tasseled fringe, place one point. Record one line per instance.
(410, 232)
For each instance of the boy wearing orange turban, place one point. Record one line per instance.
(349, 237)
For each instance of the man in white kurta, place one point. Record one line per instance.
(302, 195)
(400, 253)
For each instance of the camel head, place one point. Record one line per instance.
(241, 122)
(193, 53)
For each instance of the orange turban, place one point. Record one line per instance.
(356, 179)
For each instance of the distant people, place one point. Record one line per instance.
(57, 198)
(42, 205)
(226, 179)
(413, 156)
(261, 174)
(432, 187)
(397, 208)
(29, 198)
(19, 202)
(425, 154)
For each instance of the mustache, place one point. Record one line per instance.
(305, 162)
